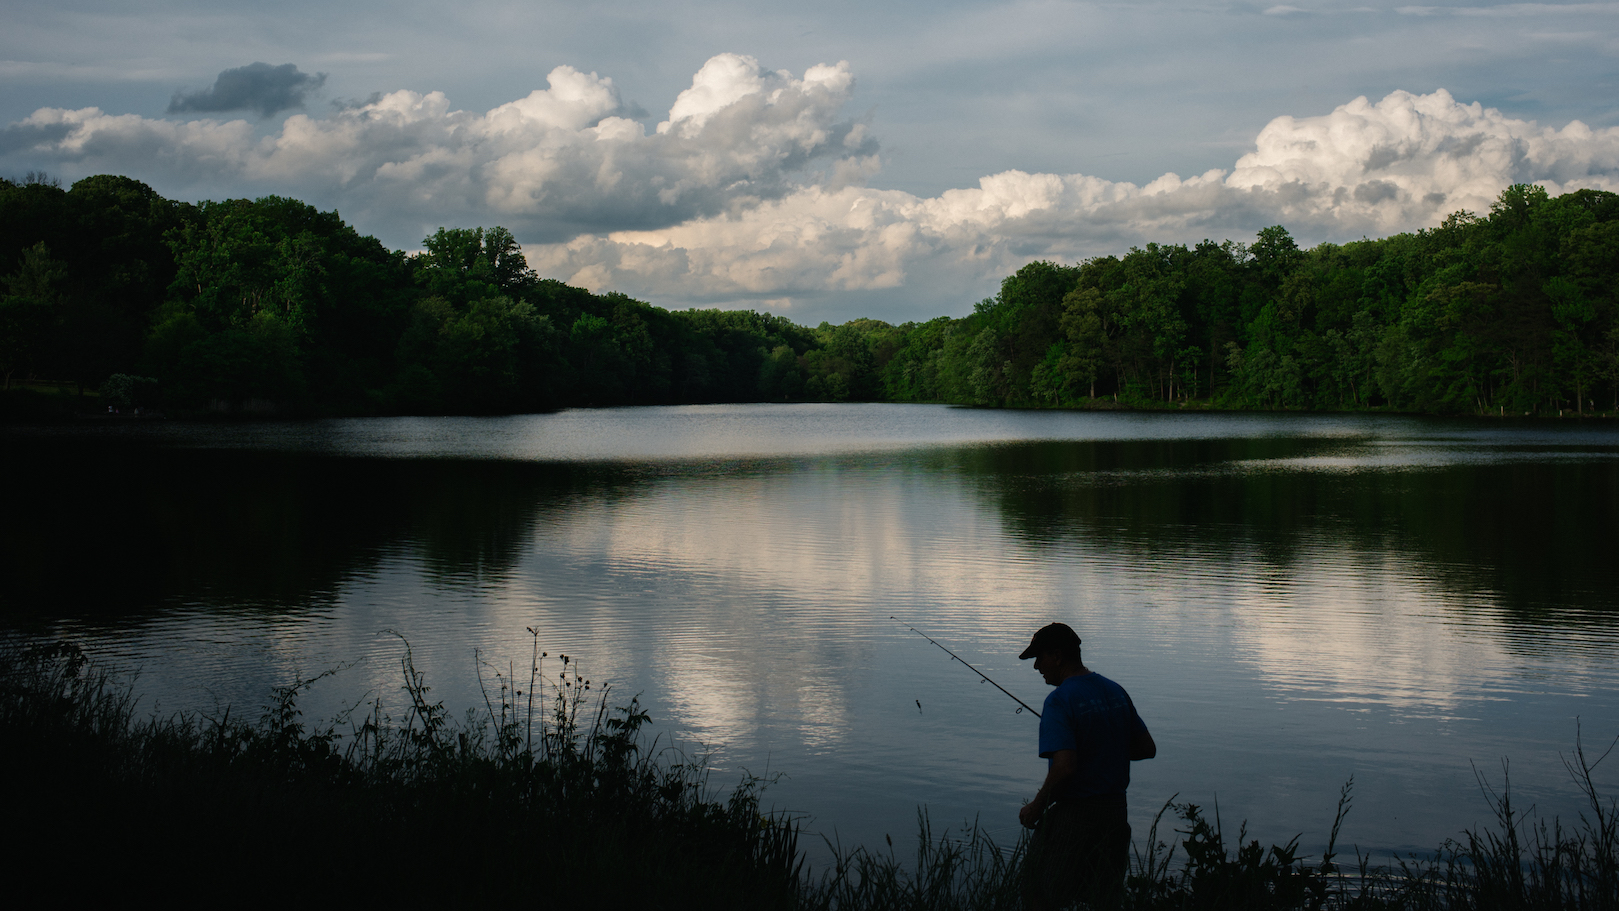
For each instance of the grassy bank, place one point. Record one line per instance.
(547, 797)
(540, 800)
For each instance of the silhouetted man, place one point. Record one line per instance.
(1089, 733)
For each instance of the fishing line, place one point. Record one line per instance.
(975, 670)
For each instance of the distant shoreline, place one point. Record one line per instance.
(271, 306)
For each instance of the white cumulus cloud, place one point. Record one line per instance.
(754, 187)
(1399, 164)
(562, 160)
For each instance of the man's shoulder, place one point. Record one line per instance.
(1106, 683)
(1091, 687)
(1090, 680)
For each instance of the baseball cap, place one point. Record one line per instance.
(1053, 636)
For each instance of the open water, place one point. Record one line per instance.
(1292, 601)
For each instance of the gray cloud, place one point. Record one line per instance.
(1511, 10)
(349, 104)
(257, 87)
(20, 136)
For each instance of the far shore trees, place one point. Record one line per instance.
(272, 305)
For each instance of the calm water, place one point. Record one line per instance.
(1290, 600)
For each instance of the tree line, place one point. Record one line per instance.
(272, 304)
(1510, 312)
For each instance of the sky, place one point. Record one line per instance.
(822, 161)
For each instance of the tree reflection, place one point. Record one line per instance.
(1537, 536)
(116, 530)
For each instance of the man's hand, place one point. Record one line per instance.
(1064, 763)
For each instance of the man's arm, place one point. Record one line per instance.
(1142, 746)
(1063, 765)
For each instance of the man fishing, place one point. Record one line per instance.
(1089, 733)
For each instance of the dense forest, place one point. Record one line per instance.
(272, 306)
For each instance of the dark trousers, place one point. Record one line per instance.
(1080, 851)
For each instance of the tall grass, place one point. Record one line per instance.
(1524, 863)
(546, 796)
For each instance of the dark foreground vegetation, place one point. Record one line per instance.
(540, 801)
(548, 798)
(270, 306)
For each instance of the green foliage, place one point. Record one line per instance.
(1515, 312)
(488, 356)
(28, 310)
(271, 304)
(122, 391)
(466, 263)
(849, 362)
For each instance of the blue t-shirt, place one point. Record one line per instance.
(1095, 717)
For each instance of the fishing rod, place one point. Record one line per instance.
(975, 670)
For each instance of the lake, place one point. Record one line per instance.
(1291, 600)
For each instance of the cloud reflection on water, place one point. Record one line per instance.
(763, 598)
(1285, 608)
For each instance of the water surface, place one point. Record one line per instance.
(1290, 600)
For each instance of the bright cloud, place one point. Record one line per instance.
(559, 161)
(1400, 164)
(754, 187)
